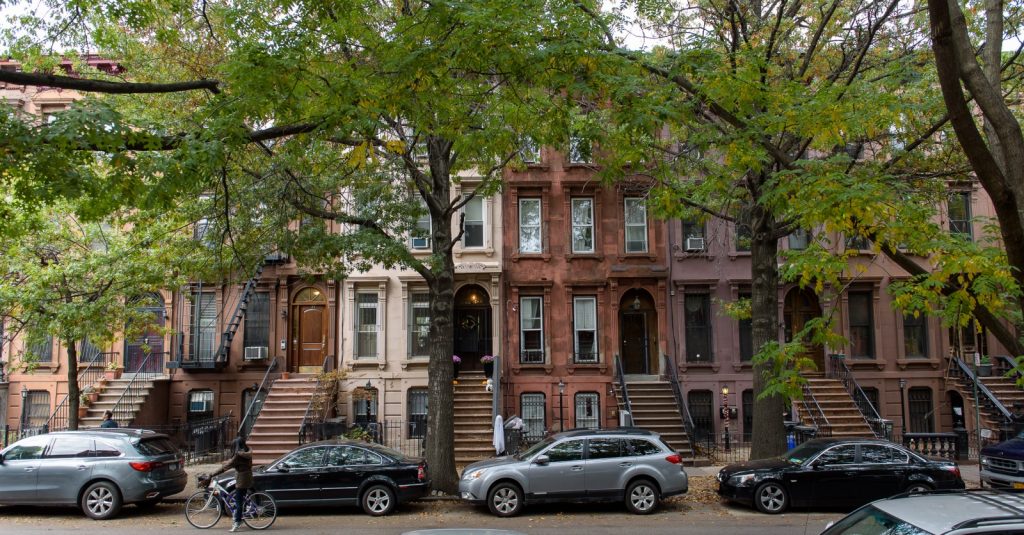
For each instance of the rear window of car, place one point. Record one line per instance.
(638, 447)
(872, 521)
(156, 446)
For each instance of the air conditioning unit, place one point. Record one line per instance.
(256, 352)
(695, 244)
(422, 243)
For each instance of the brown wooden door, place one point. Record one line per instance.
(634, 343)
(800, 307)
(151, 342)
(311, 341)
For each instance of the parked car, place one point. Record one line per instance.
(342, 472)
(834, 472)
(961, 512)
(98, 470)
(1002, 465)
(628, 464)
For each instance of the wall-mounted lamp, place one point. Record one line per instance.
(24, 394)
(284, 313)
(636, 303)
(369, 385)
(725, 391)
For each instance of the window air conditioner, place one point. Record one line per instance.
(695, 244)
(256, 352)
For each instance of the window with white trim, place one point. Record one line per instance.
(200, 404)
(582, 225)
(580, 149)
(588, 410)
(419, 240)
(636, 225)
(531, 330)
(204, 326)
(473, 225)
(959, 208)
(529, 150)
(584, 320)
(419, 324)
(530, 238)
(367, 322)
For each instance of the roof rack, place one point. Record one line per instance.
(988, 521)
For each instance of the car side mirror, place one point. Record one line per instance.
(283, 467)
(817, 464)
(542, 460)
(1, 458)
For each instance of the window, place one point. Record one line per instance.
(960, 214)
(365, 406)
(568, 451)
(257, 320)
(859, 243)
(203, 326)
(743, 237)
(419, 240)
(28, 449)
(352, 456)
(604, 448)
(915, 336)
(88, 352)
(799, 239)
(42, 348)
(200, 404)
(845, 454)
(693, 237)
(871, 393)
(580, 149)
(747, 399)
(419, 324)
(746, 335)
(531, 330)
(700, 402)
(201, 230)
(530, 240)
(306, 459)
(636, 225)
(638, 447)
(71, 447)
(582, 225)
(919, 402)
(879, 454)
(584, 320)
(862, 340)
(534, 409)
(529, 150)
(417, 409)
(366, 325)
(473, 225)
(697, 318)
(588, 410)
(37, 407)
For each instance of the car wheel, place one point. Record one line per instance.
(641, 497)
(918, 487)
(505, 499)
(771, 498)
(378, 500)
(101, 500)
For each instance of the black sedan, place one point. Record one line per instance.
(829, 472)
(343, 472)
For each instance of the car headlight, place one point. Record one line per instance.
(743, 479)
(470, 475)
(984, 460)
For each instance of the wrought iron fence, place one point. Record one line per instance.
(14, 434)
(205, 440)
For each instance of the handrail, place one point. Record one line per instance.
(306, 424)
(677, 391)
(982, 389)
(1011, 365)
(496, 408)
(255, 399)
(123, 409)
(620, 372)
(93, 367)
(826, 427)
(841, 372)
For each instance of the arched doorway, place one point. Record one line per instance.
(471, 327)
(956, 408)
(801, 306)
(638, 329)
(309, 328)
(150, 341)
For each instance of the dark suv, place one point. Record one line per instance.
(1002, 465)
(97, 470)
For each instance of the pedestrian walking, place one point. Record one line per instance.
(108, 420)
(241, 462)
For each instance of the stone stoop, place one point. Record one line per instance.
(655, 409)
(276, 430)
(841, 411)
(1005, 389)
(473, 422)
(109, 397)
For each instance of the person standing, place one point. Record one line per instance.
(108, 420)
(241, 461)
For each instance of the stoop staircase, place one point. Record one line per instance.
(837, 406)
(126, 413)
(654, 408)
(473, 419)
(276, 430)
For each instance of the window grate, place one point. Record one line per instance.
(588, 410)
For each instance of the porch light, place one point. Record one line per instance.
(725, 391)
(369, 385)
(636, 302)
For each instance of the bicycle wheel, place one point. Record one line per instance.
(260, 511)
(203, 509)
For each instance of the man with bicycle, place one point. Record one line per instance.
(241, 462)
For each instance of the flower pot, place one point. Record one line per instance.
(82, 412)
(286, 375)
(984, 370)
(93, 396)
(113, 374)
(488, 369)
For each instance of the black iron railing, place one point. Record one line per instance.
(135, 392)
(1006, 366)
(204, 440)
(838, 370)
(988, 400)
(89, 373)
(224, 349)
(256, 404)
(496, 407)
(620, 376)
(816, 414)
(319, 406)
(677, 392)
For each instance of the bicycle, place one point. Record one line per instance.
(204, 508)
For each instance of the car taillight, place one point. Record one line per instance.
(145, 466)
(421, 472)
(956, 471)
(674, 459)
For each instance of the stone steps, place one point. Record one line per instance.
(276, 429)
(654, 408)
(472, 419)
(842, 413)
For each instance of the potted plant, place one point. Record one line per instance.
(985, 366)
(113, 371)
(83, 405)
(456, 362)
(91, 394)
(488, 362)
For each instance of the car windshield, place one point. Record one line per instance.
(535, 448)
(872, 521)
(804, 451)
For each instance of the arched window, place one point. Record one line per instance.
(310, 295)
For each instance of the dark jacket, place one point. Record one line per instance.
(241, 462)
(107, 424)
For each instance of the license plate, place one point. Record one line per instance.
(1018, 485)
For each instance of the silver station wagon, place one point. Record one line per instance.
(627, 464)
(97, 470)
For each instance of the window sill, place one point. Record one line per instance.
(489, 251)
(743, 365)
(865, 363)
(584, 256)
(366, 363)
(739, 254)
(638, 256)
(600, 366)
(416, 362)
(516, 257)
(713, 366)
(693, 254)
(517, 368)
(904, 363)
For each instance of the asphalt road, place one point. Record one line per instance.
(675, 517)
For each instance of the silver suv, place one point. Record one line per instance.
(628, 464)
(97, 470)
(952, 512)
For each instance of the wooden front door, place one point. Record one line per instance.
(310, 339)
(800, 307)
(149, 343)
(634, 343)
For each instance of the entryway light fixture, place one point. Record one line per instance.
(369, 385)
(636, 303)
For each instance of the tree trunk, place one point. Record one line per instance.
(769, 433)
(73, 390)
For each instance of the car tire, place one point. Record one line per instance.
(505, 499)
(918, 487)
(642, 497)
(771, 498)
(378, 500)
(101, 500)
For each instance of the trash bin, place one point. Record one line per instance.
(804, 433)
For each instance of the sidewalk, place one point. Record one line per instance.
(190, 486)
